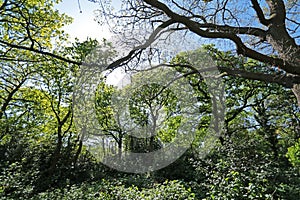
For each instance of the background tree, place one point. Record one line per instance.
(38, 138)
(255, 124)
(109, 118)
(140, 115)
(31, 27)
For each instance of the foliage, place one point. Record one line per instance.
(242, 171)
(42, 154)
(294, 154)
(116, 190)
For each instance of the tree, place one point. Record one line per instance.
(37, 132)
(152, 116)
(269, 33)
(148, 105)
(249, 160)
(30, 27)
(109, 117)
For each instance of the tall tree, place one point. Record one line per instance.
(265, 31)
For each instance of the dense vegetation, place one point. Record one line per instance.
(43, 154)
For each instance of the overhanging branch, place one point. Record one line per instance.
(236, 30)
(195, 27)
(151, 39)
(285, 80)
(15, 46)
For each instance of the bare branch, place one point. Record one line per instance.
(260, 13)
(138, 49)
(285, 80)
(241, 47)
(236, 30)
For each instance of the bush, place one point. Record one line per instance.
(109, 190)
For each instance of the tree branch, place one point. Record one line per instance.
(241, 47)
(3, 5)
(277, 11)
(236, 30)
(260, 13)
(15, 46)
(133, 52)
(285, 80)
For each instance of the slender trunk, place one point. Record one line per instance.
(55, 156)
(120, 149)
(79, 139)
(120, 144)
(296, 91)
(103, 147)
(152, 143)
(10, 97)
(77, 153)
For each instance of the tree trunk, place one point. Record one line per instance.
(120, 149)
(55, 156)
(77, 153)
(296, 91)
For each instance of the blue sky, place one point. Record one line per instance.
(83, 25)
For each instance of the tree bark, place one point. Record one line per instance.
(296, 91)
